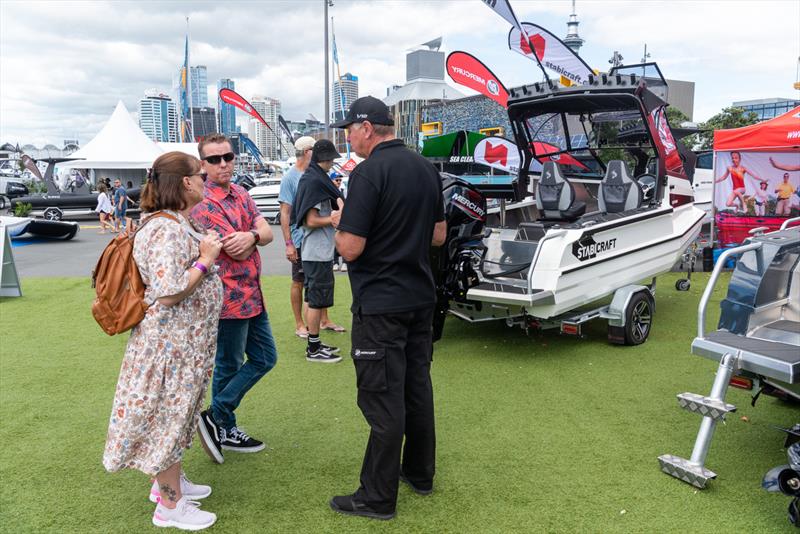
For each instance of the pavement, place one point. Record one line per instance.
(78, 256)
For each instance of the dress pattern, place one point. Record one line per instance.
(169, 357)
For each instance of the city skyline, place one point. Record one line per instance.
(99, 64)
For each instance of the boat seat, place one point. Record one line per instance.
(555, 196)
(619, 192)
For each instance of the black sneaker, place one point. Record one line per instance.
(237, 440)
(322, 355)
(344, 504)
(209, 436)
(416, 488)
(332, 350)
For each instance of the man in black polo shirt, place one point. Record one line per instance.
(394, 213)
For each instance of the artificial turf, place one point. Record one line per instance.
(536, 433)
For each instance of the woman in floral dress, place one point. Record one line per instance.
(170, 354)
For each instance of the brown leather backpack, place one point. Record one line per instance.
(120, 303)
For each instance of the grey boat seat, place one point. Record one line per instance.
(619, 192)
(555, 196)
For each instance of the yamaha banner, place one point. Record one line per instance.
(550, 51)
(236, 100)
(467, 70)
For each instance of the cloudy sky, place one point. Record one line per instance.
(64, 65)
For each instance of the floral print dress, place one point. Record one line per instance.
(170, 354)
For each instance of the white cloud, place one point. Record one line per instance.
(64, 65)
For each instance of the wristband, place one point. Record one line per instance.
(200, 267)
(256, 236)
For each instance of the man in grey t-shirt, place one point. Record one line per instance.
(318, 246)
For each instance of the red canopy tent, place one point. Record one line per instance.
(779, 134)
(767, 152)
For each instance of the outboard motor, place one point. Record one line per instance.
(452, 263)
(786, 478)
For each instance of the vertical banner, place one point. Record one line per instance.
(538, 44)
(503, 8)
(285, 128)
(467, 70)
(229, 96)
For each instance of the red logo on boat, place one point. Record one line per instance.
(538, 45)
(496, 153)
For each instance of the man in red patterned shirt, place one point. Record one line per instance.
(244, 326)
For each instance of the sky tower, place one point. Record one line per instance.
(573, 40)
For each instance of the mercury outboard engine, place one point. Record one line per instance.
(786, 478)
(452, 263)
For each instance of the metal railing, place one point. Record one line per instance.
(701, 309)
(787, 222)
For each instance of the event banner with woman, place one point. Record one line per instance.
(753, 189)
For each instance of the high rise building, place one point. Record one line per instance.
(425, 84)
(573, 40)
(205, 122)
(265, 138)
(199, 85)
(158, 116)
(349, 85)
(226, 112)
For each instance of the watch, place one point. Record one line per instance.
(256, 235)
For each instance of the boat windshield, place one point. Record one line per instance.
(583, 140)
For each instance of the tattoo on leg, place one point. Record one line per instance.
(168, 492)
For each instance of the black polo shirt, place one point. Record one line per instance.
(394, 199)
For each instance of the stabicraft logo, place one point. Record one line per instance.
(469, 205)
(587, 248)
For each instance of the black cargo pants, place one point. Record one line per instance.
(392, 356)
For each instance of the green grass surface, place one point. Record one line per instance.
(535, 433)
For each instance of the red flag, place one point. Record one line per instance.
(235, 99)
(550, 52)
(468, 71)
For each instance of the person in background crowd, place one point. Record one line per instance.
(293, 238)
(312, 209)
(393, 214)
(761, 199)
(168, 359)
(120, 206)
(104, 208)
(244, 324)
(784, 192)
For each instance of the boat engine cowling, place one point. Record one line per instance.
(452, 263)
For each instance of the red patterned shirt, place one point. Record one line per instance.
(226, 212)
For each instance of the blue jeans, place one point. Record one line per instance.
(233, 377)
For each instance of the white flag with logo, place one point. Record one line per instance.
(540, 45)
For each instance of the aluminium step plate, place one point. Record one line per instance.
(706, 406)
(683, 469)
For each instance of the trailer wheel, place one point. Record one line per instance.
(638, 318)
(53, 214)
(683, 284)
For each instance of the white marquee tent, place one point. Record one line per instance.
(121, 144)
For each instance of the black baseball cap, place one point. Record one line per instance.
(366, 108)
(324, 150)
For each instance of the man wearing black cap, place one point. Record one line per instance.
(394, 213)
(316, 196)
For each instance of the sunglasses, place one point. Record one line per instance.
(215, 160)
(203, 176)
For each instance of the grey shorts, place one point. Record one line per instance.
(318, 284)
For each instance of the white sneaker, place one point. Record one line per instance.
(188, 489)
(335, 266)
(344, 267)
(186, 516)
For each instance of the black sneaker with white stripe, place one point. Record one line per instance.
(323, 355)
(332, 350)
(237, 440)
(209, 436)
